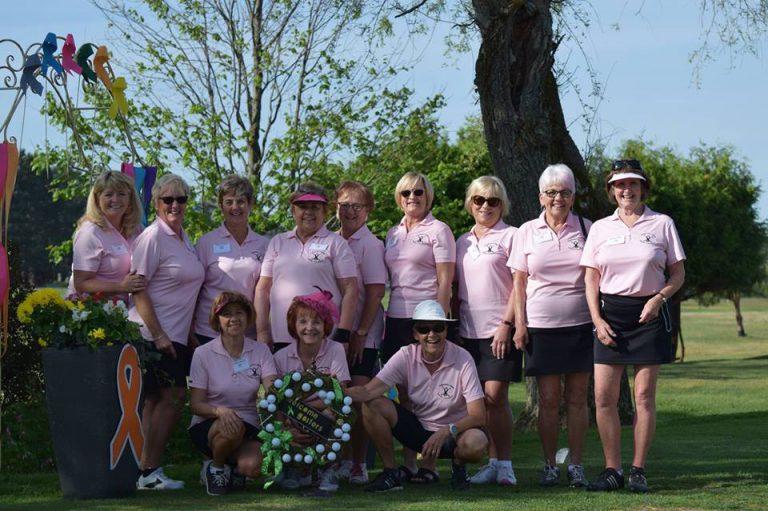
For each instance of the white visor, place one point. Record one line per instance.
(625, 175)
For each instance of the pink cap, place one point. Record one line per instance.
(321, 302)
(310, 197)
(625, 175)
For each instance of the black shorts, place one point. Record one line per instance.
(168, 371)
(559, 350)
(412, 434)
(279, 345)
(367, 366)
(199, 435)
(398, 332)
(490, 368)
(203, 339)
(643, 344)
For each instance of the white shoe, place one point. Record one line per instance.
(505, 476)
(157, 480)
(344, 470)
(328, 480)
(203, 471)
(485, 475)
(358, 474)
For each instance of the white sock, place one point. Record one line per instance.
(493, 462)
(504, 463)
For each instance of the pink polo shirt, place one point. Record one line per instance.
(411, 258)
(103, 252)
(296, 267)
(174, 274)
(485, 282)
(631, 261)
(555, 296)
(228, 267)
(437, 399)
(330, 360)
(231, 382)
(371, 269)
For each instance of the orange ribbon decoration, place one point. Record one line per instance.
(100, 61)
(129, 391)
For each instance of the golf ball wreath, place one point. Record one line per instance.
(285, 404)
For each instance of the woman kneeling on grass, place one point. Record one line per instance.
(448, 407)
(225, 378)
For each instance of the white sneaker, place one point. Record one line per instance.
(505, 476)
(344, 470)
(203, 471)
(329, 480)
(157, 480)
(358, 474)
(485, 475)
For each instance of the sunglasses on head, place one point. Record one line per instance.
(623, 164)
(181, 199)
(417, 192)
(565, 194)
(479, 200)
(437, 328)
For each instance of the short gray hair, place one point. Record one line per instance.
(169, 181)
(559, 173)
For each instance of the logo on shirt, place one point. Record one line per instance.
(446, 391)
(490, 248)
(258, 256)
(576, 243)
(421, 239)
(252, 371)
(647, 237)
(316, 256)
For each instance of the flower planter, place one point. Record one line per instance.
(94, 405)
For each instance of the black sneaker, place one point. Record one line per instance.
(217, 480)
(459, 477)
(388, 480)
(608, 480)
(637, 481)
(236, 480)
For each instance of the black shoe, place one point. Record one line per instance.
(236, 480)
(459, 477)
(608, 480)
(216, 483)
(637, 481)
(388, 480)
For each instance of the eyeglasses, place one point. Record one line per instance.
(565, 194)
(417, 192)
(622, 164)
(351, 205)
(181, 199)
(479, 200)
(437, 328)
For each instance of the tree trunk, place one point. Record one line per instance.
(735, 297)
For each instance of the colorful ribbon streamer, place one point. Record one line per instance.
(129, 392)
(150, 176)
(49, 48)
(28, 79)
(67, 56)
(100, 61)
(9, 165)
(119, 104)
(83, 54)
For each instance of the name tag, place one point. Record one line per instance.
(119, 249)
(473, 251)
(616, 240)
(240, 365)
(318, 246)
(221, 248)
(542, 237)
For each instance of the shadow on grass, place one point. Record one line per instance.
(719, 369)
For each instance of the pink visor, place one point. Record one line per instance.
(310, 197)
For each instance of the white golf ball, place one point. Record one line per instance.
(296, 376)
(346, 410)
(345, 437)
(271, 408)
(321, 394)
(318, 382)
(271, 398)
(263, 403)
(346, 428)
(307, 459)
(269, 428)
(286, 458)
(288, 393)
(347, 400)
(327, 402)
(278, 384)
(298, 458)
(337, 432)
(320, 448)
(330, 395)
(336, 446)
(306, 387)
(331, 456)
(275, 442)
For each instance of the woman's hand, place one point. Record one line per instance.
(228, 419)
(133, 283)
(164, 345)
(521, 337)
(500, 345)
(605, 333)
(431, 448)
(651, 309)
(355, 350)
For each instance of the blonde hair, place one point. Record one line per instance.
(490, 185)
(411, 180)
(169, 181)
(119, 182)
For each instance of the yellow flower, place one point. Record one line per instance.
(42, 342)
(110, 343)
(69, 304)
(80, 306)
(97, 333)
(24, 311)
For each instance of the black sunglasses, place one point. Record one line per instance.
(418, 192)
(479, 200)
(438, 328)
(181, 199)
(622, 164)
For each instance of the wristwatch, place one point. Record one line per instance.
(454, 430)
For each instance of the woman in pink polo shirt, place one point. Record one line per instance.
(103, 242)
(627, 257)
(225, 378)
(310, 320)
(299, 260)
(486, 316)
(164, 311)
(231, 254)
(552, 318)
(354, 202)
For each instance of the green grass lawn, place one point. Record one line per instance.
(710, 451)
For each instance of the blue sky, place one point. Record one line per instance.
(640, 57)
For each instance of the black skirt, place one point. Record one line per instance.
(559, 350)
(636, 343)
